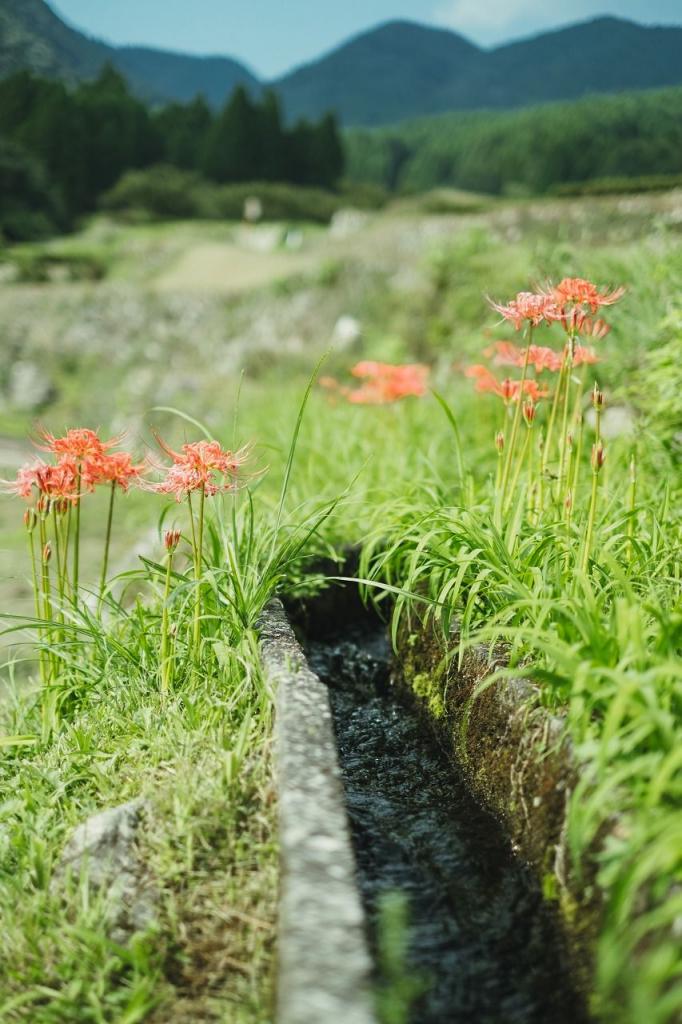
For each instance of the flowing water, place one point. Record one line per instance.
(482, 945)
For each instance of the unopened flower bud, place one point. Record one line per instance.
(597, 398)
(47, 552)
(599, 329)
(499, 442)
(171, 539)
(30, 519)
(529, 409)
(569, 441)
(42, 506)
(598, 457)
(568, 501)
(507, 388)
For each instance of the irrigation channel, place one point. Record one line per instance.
(482, 947)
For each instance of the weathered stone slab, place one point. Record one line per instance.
(104, 849)
(324, 963)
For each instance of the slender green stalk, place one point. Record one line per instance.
(552, 417)
(597, 462)
(632, 504)
(36, 594)
(517, 418)
(165, 653)
(46, 588)
(56, 521)
(198, 569)
(519, 463)
(563, 440)
(587, 548)
(77, 539)
(107, 542)
(578, 453)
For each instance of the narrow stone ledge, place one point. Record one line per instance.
(324, 964)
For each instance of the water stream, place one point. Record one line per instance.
(481, 941)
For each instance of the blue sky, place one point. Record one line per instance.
(273, 35)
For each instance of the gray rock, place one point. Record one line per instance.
(29, 386)
(347, 331)
(324, 963)
(104, 850)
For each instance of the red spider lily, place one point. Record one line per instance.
(529, 307)
(584, 356)
(116, 468)
(577, 321)
(386, 382)
(55, 483)
(509, 390)
(202, 465)
(506, 353)
(578, 291)
(80, 443)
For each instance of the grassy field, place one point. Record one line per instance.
(226, 326)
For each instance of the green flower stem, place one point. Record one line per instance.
(58, 556)
(590, 521)
(632, 504)
(36, 597)
(517, 419)
(552, 417)
(587, 550)
(198, 568)
(563, 444)
(77, 539)
(107, 543)
(519, 463)
(165, 653)
(46, 595)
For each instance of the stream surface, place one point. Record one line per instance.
(482, 944)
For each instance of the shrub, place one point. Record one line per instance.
(29, 209)
(166, 193)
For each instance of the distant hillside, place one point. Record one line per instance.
(396, 71)
(402, 69)
(388, 74)
(525, 151)
(33, 37)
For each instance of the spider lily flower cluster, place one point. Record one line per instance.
(382, 383)
(81, 462)
(548, 455)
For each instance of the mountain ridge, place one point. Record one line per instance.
(397, 70)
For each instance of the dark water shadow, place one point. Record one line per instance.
(479, 931)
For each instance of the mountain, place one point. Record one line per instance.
(33, 37)
(402, 69)
(395, 71)
(604, 55)
(387, 74)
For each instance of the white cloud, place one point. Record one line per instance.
(493, 21)
(490, 17)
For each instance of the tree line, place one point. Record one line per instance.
(532, 151)
(61, 148)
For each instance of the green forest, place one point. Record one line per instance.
(62, 148)
(530, 151)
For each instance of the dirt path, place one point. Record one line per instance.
(230, 268)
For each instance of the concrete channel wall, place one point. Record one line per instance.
(324, 966)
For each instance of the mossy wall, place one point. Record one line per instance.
(517, 760)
